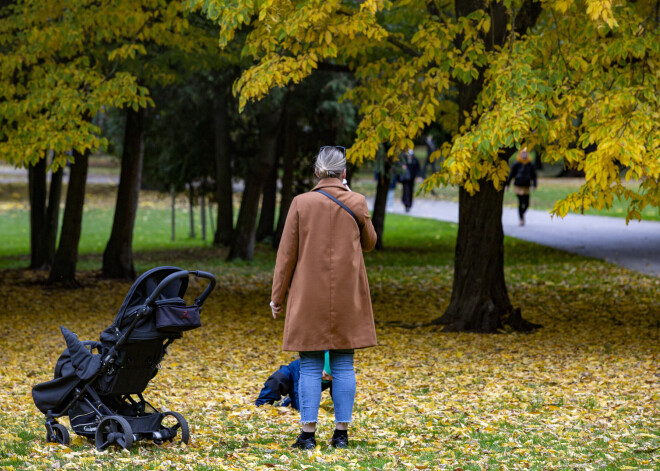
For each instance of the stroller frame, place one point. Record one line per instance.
(145, 421)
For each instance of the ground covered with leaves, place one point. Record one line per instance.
(581, 393)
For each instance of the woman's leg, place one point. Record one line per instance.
(343, 386)
(520, 206)
(309, 389)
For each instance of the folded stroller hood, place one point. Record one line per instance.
(85, 363)
(76, 365)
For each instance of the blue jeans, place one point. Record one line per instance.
(343, 385)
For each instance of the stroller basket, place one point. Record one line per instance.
(172, 317)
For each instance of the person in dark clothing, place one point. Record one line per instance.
(523, 174)
(410, 169)
(284, 384)
(430, 149)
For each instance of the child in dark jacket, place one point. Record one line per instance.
(284, 383)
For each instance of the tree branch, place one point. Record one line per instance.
(404, 47)
(327, 67)
(395, 42)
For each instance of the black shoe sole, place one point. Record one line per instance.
(339, 443)
(304, 444)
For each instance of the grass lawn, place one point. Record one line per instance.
(580, 393)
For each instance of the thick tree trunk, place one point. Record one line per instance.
(288, 168)
(265, 229)
(224, 193)
(479, 301)
(118, 254)
(53, 214)
(37, 192)
(66, 257)
(380, 203)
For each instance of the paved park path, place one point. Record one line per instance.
(635, 246)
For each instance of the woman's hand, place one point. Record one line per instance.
(275, 308)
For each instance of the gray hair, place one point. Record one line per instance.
(330, 162)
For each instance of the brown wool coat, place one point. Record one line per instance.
(320, 262)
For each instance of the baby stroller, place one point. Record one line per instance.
(102, 392)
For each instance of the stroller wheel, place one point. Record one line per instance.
(60, 435)
(114, 429)
(172, 429)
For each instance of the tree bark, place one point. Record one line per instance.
(288, 168)
(66, 257)
(37, 192)
(380, 203)
(224, 193)
(479, 300)
(265, 229)
(118, 254)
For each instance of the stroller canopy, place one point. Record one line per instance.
(137, 296)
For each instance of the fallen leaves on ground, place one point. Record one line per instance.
(581, 393)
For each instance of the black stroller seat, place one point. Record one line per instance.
(96, 381)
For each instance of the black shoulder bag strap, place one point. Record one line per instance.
(342, 205)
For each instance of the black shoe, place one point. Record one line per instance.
(305, 443)
(340, 441)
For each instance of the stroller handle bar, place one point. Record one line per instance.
(151, 300)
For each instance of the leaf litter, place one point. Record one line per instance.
(581, 393)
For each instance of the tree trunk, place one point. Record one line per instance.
(380, 203)
(173, 212)
(53, 214)
(37, 192)
(265, 229)
(479, 300)
(244, 237)
(66, 257)
(288, 168)
(224, 193)
(118, 254)
(202, 213)
(191, 207)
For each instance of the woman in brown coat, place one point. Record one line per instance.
(320, 263)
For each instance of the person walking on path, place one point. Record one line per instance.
(523, 174)
(320, 263)
(430, 149)
(410, 169)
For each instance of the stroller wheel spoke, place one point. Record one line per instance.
(181, 423)
(103, 445)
